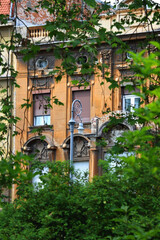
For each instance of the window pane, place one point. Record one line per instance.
(46, 120)
(128, 104)
(81, 166)
(137, 103)
(38, 121)
(41, 120)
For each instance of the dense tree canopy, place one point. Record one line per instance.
(123, 203)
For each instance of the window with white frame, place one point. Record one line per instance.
(130, 102)
(41, 109)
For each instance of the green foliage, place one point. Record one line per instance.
(121, 204)
(57, 102)
(91, 3)
(3, 18)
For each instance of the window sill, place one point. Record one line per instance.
(85, 124)
(42, 127)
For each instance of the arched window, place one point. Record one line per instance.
(40, 149)
(81, 152)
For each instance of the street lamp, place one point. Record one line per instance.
(76, 110)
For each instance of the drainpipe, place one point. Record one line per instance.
(11, 8)
(112, 75)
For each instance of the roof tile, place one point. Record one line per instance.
(5, 7)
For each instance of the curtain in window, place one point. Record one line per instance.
(41, 120)
(81, 166)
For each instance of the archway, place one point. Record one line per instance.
(81, 153)
(109, 137)
(43, 151)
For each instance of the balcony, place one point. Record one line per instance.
(38, 34)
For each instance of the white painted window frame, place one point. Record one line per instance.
(132, 98)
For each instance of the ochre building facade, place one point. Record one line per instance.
(37, 87)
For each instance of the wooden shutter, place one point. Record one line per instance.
(84, 97)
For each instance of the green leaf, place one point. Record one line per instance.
(91, 3)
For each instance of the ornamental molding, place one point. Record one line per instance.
(106, 54)
(99, 123)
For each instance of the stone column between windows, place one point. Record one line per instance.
(93, 165)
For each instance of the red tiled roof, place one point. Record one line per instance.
(5, 7)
